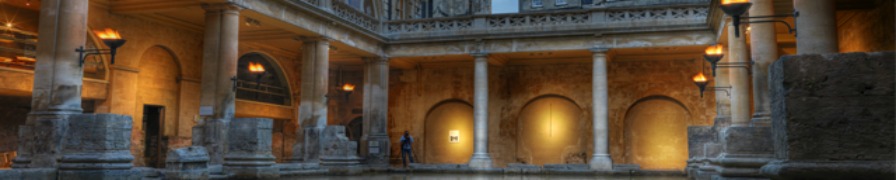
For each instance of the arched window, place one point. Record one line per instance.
(269, 86)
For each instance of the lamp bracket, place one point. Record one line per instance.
(83, 53)
(790, 29)
(721, 88)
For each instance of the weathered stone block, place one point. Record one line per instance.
(41, 139)
(249, 153)
(212, 134)
(97, 146)
(747, 140)
(336, 149)
(697, 137)
(187, 163)
(833, 116)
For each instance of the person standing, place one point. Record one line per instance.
(406, 141)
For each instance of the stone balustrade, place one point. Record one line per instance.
(599, 19)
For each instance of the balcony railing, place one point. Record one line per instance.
(683, 14)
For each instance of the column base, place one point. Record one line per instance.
(377, 150)
(481, 161)
(830, 170)
(761, 120)
(601, 162)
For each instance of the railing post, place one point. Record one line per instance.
(326, 5)
(480, 23)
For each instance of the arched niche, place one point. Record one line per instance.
(269, 87)
(552, 130)
(158, 89)
(656, 134)
(441, 120)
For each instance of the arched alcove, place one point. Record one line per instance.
(552, 131)
(444, 120)
(268, 87)
(158, 92)
(656, 134)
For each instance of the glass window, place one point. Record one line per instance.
(560, 2)
(537, 3)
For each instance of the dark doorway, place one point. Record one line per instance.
(355, 130)
(153, 153)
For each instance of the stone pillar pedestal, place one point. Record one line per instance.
(187, 163)
(600, 160)
(337, 150)
(744, 151)
(97, 146)
(832, 116)
(249, 150)
(480, 159)
(211, 134)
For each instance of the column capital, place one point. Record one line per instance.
(376, 59)
(479, 54)
(599, 50)
(221, 7)
(306, 39)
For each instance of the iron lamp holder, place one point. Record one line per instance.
(113, 45)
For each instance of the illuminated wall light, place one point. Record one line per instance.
(454, 136)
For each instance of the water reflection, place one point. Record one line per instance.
(454, 176)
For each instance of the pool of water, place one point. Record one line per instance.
(450, 176)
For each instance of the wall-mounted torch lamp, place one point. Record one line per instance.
(701, 82)
(112, 40)
(736, 8)
(713, 55)
(258, 70)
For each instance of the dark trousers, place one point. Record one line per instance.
(406, 152)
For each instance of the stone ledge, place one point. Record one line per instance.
(830, 170)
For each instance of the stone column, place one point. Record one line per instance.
(764, 48)
(816, 26)
(313, 105)
(481, 159)
(723, 98)
(219, 63)
(740, 85)
(600, 160)
(376, 108)
(57, 82)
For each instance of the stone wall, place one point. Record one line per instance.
(414, 92)
(867, 30)
(158, 66)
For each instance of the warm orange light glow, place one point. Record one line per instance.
(9, 25)
(348, 87)
(714, 50)
(734, 1)
(256, 67)
(700, 78)
(108, 34)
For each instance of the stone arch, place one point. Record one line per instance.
(446, 116)
(277, 89)
(655, 133)
(552, 129)
(157, 85)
